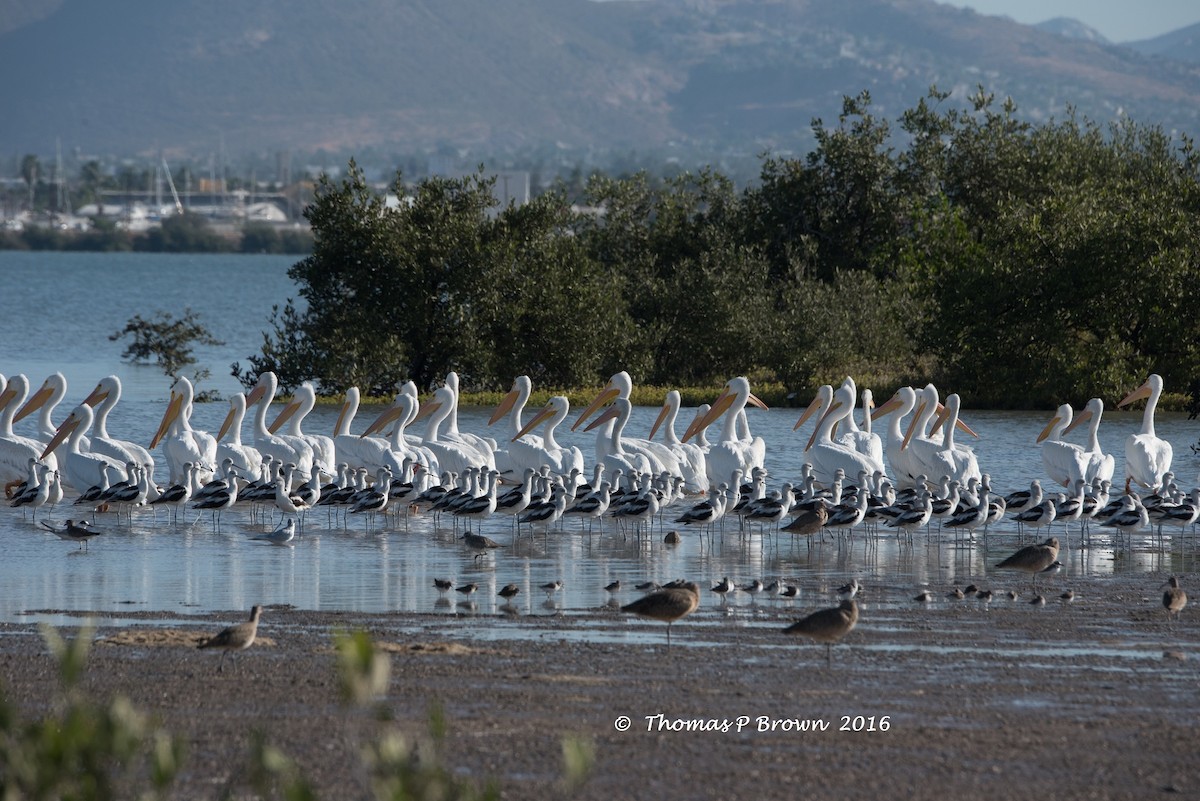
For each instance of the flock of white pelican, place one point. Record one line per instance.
(912, 474)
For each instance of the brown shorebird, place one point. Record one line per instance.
(808, 522)
(955, 594)
(1037, 600)
(443, 585)
(1174, 599)
(668, 604)
(1033, 559)
(479, 543)
(923, 597)
(508, 592)
(467, 589)
(235, 638)
(828, 625)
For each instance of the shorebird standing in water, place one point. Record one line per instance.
(828, 625)
(1033, 559)
(508, 592)
(235, 638)
(1174, 599)
(479, 543)
(71, 531)
(669, 604)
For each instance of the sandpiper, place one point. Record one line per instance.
(479, 543)
(753, 588)
(509, 591)
(955, 594)
(849, 591)
(1037, 600)
(1174, 599)
(235, 638)
(790, 591)
(828, 625)
(667, 605)
(467, 589)
(443, 585)
(613, 587)
(552, 587)
(648, 586)
(923, 597)
(283, 534)
(1033, 559)
(1067, 596)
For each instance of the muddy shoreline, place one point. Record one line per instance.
(1097, 698)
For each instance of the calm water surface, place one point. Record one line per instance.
(60, 308)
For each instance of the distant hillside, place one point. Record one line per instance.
(1072, 29)
(124, 76)
(1181, 45)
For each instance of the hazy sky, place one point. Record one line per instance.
(1117, 20)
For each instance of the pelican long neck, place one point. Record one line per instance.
(100, 423)
(518, 409)
(548, 440)
(669, 435)
(348, 414)
(260, 416)
(951, 422)
(1094, 433)
(235, 428)
(397, 441)
(730, 432)
(1148, 414)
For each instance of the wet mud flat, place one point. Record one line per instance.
(1095, 698)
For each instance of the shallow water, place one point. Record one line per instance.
(196, 566)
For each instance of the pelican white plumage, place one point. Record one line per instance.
(610, 442)
(485, 446)
(827, 456)
(78, 469)
(453, 455)
(904, 468)
(1099, 465)
(862, 439)
(964, 465)
(47, 398)
(401, 446)
(512, 408)
(181, 443)
(660, 457)
(357, 450)
(16, 451)
(245, 458)
(102, 400)
(730, 452)
(284, 450)
(292, 415)
(1065, 462)
(529, 452)
(692, 463)
(930, 454)
(1147, 456)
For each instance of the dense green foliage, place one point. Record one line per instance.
(1018, 264)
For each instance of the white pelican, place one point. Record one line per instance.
(47, 398)
(827, 456)
(610, 444)
(930, 454)
(485, 446)
(529, 453)
(512, 406)
(79, 470)
(1147, 457)
(661, 458)
(182, 443)
(904, 467)
(245, 458)
(102, 400)
(730, 452)
(862, 439)
(400, 445)
(303, 401)
(963, 463)
(1100, 465)
(16, 451)
(298, 452)
(692, 464)
(357, 450)
(1065, 462)
(453, 455)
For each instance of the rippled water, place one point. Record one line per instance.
(61, 307)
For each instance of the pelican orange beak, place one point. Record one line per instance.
(341, 418)
(602, 419)
(754, 400)
(98, 395)
(607, 395)
(961, 426)
(385, 418)
(427, 409)
(809, 412)
(1050, 427)
(892, 405)
(172, 412)
(912, 426)
(1082, 417)
(833, 407)
(255, 395)
(1141, 392)
(546, 413)
(34, 403)
(506, 404)
(6, 397)
(658, 421)
(225, 426)
(719, 407)
(284, 416)
(69, 425)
